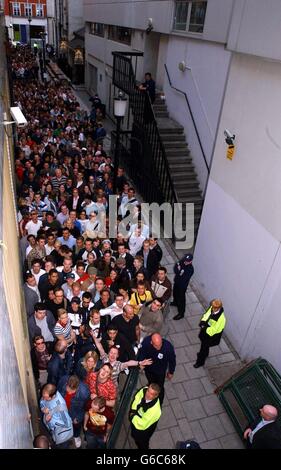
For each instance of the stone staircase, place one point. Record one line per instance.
(181, 166)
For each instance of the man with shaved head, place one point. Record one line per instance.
(162, 353)
(265, 432)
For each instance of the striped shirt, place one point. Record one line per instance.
(64, 331)
(56, 183)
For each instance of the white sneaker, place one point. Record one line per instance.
(77, 442)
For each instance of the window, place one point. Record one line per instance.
(119, 34)
(190, 16)
(97, 29)
(16, 9)
(39, 10)
(28, 9)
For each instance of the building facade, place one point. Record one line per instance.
(225, 56)
(26, 20)
(168, 33)
(237, 255)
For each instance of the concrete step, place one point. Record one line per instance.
(187, 197)
(175, 144)
(187, 183)
(178, 152)
(169, 126)
(182, 168)
(161, 114)
(188, 189)
(175, 160)
(188, 173)
(179, 167)
(169, 138)
(160, 107)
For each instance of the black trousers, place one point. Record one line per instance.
(142, 438)
(179, 298)
(203, 353)
(156, 379)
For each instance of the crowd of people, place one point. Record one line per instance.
(95, 305)
(90, 300)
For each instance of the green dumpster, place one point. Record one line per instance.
(255, 385)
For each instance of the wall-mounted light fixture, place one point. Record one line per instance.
(63, 46)
(183, 67)
(78, 57)
(149, 25)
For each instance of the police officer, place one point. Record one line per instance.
(144, 414)
(183, 271)
(212, 325)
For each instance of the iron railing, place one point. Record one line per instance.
(119, 433)
(248, 390)
(192, 117)
(149, 165)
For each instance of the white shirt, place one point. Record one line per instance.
(33, 228)
(260, 425)
(37, 276)
(49, 249)
(113, 311)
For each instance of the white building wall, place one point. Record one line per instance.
(204, 85)
(135, 14)
(75, 17)
(99, 53)
(237, 252)
(208, 60)
(255, 28)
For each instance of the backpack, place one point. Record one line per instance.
(60, 425)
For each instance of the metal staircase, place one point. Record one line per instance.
(180, 162)
(155, 152)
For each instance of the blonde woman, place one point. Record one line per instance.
(89, 363)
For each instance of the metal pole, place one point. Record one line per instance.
(44, 55)
(116, 155)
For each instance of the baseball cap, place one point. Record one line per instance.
(106, 241)
(188, 257)
(75, 300)
(187, 445)
(70, 276)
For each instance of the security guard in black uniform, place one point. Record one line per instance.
(183, 271)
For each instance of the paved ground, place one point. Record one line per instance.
(191, 410)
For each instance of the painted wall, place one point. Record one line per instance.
(204, 86)
(134, 13)
(17, 389)
(255, 28)
(75, 17)
(237, 255)
(99, 53)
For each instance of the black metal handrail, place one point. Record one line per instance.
(144, 120)
(191, 115)
(122, 412)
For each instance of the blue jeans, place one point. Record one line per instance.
(94, 441)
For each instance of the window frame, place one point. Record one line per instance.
(39, 7)
(16, 5)
(94, 29)
(190, 4)
(116, 35)
(28, 10)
